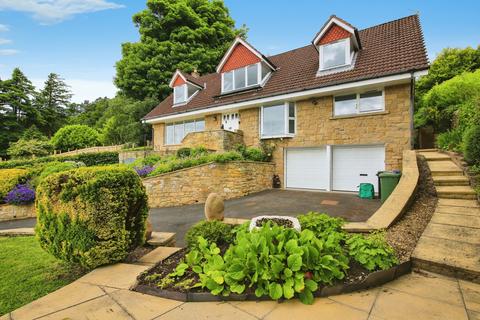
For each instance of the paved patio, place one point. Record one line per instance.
(273, 202)
(103, 294)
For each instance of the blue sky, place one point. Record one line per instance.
(81, 39)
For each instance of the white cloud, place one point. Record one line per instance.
(53, 11)
(3, 28)
(5, 41)
(8, 52)
(85, 89)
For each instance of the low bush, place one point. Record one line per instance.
(21, 194)
(252, 153)
(52, 167)
(471, 144)
(29, 148)
(450, 140)
(320, 223)
(73, 137)
(91, 216)
(213, 231)
(371, 251)
(184, 152)
(9, 178)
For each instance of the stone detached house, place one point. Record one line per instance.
(338, 109)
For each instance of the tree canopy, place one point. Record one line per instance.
(174, 34)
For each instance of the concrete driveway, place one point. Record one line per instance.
(270, 202)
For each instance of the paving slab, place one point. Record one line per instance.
(162, 239)
(362, 300)
(206, 310)
(449, 253)
(322, 308)
(63, 298)
(471, 295)
(447, 168)
(120, 275)
(102, 308)
(455, 233)
(142, 306)
(258, 309)
(467, 211)
(157, 255)
(396, 305)
(459, 203)
(471, 221)
(429, 285)
(18, 232)
(473, 315)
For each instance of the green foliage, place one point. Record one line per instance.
(184, 152)
(252, 153)
(320, 223)
(213, 231)
(9, 178)
(471, 144)
(190, 35)
(371, 251)
(54, 167)
(450, 140)
(89, 159)
(30, 148)
(91, 216)
(73, 137)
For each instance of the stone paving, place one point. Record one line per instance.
(103, 294)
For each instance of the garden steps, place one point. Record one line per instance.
(450, 244)
(162, 239)
(451, 181)
(435, 156)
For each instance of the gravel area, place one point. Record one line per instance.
(404, 234)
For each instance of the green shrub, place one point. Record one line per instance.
(54, 167)
(9, 178)
(255, 154)
(91, 216)
(471, 144)
(73, 137)
(24, 148)
(320, 223)
(450, 140)
(184, 152)
(212, 231)
(198, 151)
(372, 251)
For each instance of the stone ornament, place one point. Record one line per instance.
(214, 207)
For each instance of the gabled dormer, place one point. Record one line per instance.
(337, 44)
(243, 67)
(184, 88)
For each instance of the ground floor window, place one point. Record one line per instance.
(278, 120)
(175, 132)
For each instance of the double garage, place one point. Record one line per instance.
(333, 168)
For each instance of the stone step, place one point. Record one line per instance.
(435, 156)
(466, 211)
(448, 257)
(462, 233)
(157, 255)
(456, 192)
(458, 203)
(444, 168)
(162, 239)
(461, 220)
(451, 181)
(426, 150)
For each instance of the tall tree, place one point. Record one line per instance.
(54, 102)
(183, 34)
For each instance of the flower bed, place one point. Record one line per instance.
(274, 262)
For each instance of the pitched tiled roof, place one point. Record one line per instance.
(391, 48)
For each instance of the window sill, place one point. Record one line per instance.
(277, 137)
(356, 115)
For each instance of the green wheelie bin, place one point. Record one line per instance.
(388, 182)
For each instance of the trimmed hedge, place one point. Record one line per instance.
(90, 159)
(471, 144)
(91, 216)
(9, 178)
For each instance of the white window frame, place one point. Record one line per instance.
(286, 118)
(165, 139)
(185, 92)
(260, 81)
(357, 104)
(348, 54)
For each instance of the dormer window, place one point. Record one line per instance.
(245, 77)
(180, 94)
(335, 54)
(185, 87)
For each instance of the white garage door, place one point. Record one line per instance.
(307, 168)
(353, 165)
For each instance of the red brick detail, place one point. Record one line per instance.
(334, 33)
(241, 56)
(178, 82)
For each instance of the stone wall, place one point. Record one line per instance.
(316, 127)
(217, 140)
(193, 185)
(11, 212)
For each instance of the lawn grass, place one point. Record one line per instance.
(28, 273)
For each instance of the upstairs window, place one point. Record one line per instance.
(245, 77)
(278, 120)
(180, 94)
(351, 104)
(335, 54)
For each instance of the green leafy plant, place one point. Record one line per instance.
(450, 140)
(371, 251)
(320, 223)
(29, 148)
(184, 152)
(471, 144)
(213, 231)
(74, 137)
